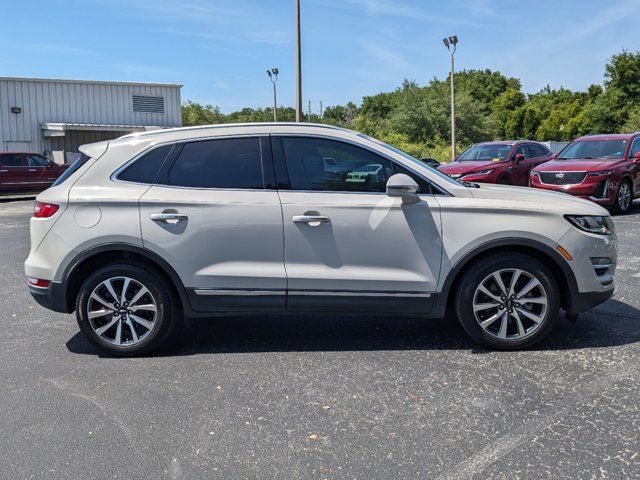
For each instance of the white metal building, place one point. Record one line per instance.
(55, 117)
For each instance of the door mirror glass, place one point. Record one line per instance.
(518, 157)
(636, 156)
(403, 186)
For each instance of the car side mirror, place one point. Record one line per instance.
(518, 157)
(636, 157)
(553, 156)
(403, 186)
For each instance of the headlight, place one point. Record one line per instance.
(480, 172)
(599, 173)
(592, 224)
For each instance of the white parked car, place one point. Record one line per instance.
(246, 218)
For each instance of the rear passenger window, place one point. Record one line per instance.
(146, 168)
(226, 163)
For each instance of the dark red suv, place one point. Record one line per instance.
(27, 171)
(601, 168)
(507, 162)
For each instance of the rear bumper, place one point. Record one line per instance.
(52, 297)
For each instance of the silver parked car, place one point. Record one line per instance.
(264, 218)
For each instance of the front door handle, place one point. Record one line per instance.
(4, 171)
(163, 217)
(312, 220)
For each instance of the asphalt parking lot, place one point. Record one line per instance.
(319, 396)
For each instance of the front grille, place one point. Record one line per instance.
(562, 178)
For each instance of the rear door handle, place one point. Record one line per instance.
(163, 217)
(310, 219)
(32, 170)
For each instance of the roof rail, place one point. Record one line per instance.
(233, 125)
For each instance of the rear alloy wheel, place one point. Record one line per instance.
(507, 301)
(125, 310)
(623, 198)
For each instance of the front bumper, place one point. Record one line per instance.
(597, 189)
(579, 302)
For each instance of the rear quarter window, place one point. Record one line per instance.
(75, 166)
(145, 169)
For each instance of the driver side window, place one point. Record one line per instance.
(635, 147)
(331, 166)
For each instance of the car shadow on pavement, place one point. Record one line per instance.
(611, 324)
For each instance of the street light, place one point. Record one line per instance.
(273, 76)
(451, 43)
(298, 64)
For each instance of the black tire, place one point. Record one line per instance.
(621, 206)
(481, 271)
(159, 294)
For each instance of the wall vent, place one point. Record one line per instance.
(148, 103)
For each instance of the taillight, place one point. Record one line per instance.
(38, 282)
(44, 210)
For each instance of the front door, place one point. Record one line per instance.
(348, 246)
(634, 165)
(13, 172)
(216, 218)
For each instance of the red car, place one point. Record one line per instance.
(601, 168)
(507, 162)
(27, 171)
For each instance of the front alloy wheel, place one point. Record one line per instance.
(507, 301)
(623, 198)
(510, 304)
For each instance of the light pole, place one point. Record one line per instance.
(298, 65)
(273, 76)
(451, 43)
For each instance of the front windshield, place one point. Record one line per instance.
(486, 152)
(601, 149)
(443, 176)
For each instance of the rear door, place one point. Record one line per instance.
(215, 216)
(348, 246)
(13, 172)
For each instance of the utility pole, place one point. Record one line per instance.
(273, 76)
(320, 109)
(309, 110)
(298, 65)
(451, 43)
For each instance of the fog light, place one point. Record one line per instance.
(601, 261)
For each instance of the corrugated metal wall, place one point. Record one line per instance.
(76, 102)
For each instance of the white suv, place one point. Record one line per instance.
(268, 218)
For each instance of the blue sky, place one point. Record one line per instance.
(220, 49)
